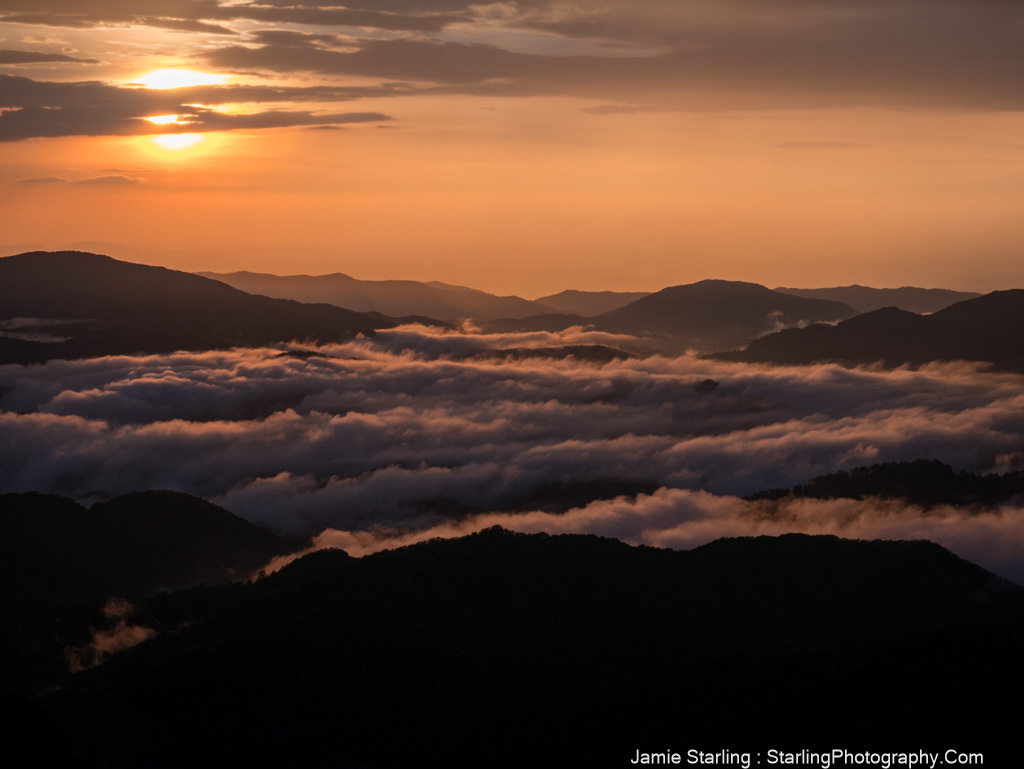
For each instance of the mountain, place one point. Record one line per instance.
(924, 482)
(589, 303)
(988, 329)
(717, 314)
(511, 650)
(707, 316)
(59, 563)
(866, 299)
(391, 297)
(89, 304)
(135, 543)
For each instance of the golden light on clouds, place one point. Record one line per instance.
(166, 120)
(161, 79)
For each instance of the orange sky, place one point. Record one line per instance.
(526, 147)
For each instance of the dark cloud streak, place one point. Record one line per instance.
(36, 57)
(873, 62)
(108, 179)
(209, 16)
(36, 109)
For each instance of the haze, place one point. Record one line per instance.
(523, 147)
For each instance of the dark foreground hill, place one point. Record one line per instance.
(60, 562)
(512, 650)
(988, 329)
(867, 299)
(70, 304)
(706, 316)
(391, 297)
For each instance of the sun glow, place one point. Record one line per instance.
(178, 78)
(177, 141)
(166, 120)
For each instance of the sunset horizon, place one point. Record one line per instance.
(393, 383)
(525, 147)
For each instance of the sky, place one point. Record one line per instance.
(523, 147)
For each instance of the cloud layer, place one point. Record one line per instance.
(404, 432)
(637, 56)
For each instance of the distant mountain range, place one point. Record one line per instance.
(989, 329)
(70, 304)
(706, 316)
(924, 482)
(589, 303)
(390, 297)
(74, 304)
(866, 299)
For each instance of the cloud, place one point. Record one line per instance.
(43, 180)
(86, 20)
(203, 120)
(108, 179)
(178, 15)
(208, 16)
(407, 430)
(106, 642)
(321, 14)
(30, 108)
(701, 55)
(646, 56)
(34, 57)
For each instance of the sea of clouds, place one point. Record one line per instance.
(410, 434)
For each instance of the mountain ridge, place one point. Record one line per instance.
(590, 303)
(987, 329)
(97, 305)
(497, 647)
(866, 298)
(708, 315)
(390, 297)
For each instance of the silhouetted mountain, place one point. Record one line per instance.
(925, 482)
(28, 730)
(59, 562)
(110, 307)
(718, 314)
(511, 650)
(589, 303)
(988, 329)
(706, 316)
(391, 297)
(452, 287)
(866, 299)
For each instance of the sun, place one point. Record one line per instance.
(178, 78)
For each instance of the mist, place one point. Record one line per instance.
(408, 432)
(682, 519)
